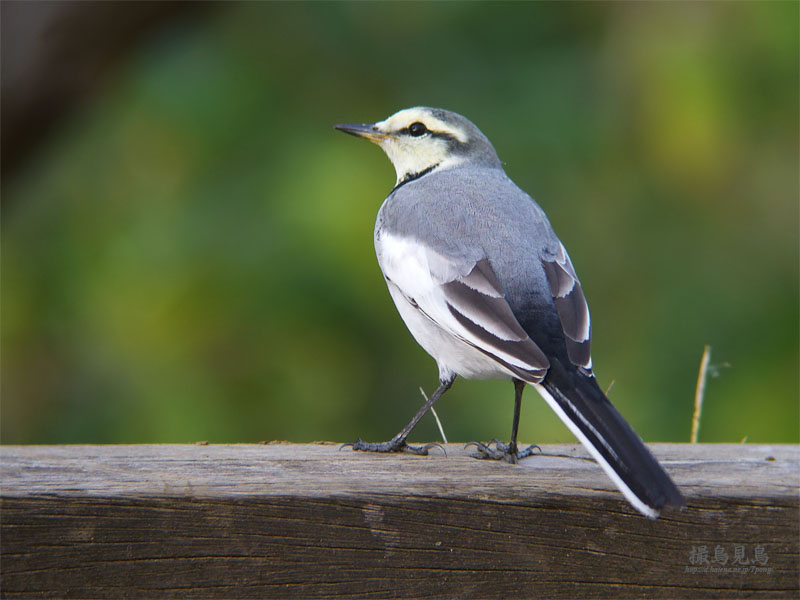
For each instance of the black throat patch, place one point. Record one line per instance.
(412, 176)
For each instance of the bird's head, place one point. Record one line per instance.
(421, 139)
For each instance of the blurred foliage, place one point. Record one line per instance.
(190, 256)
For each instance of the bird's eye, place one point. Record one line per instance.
(417, 129)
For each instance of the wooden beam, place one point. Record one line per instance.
(313, 521)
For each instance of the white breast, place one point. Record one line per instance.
(422, 305)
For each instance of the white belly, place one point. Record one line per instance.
(453, 355)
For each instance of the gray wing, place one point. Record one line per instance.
(573, 311)
(476, 300)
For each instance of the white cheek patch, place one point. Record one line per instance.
(409, 158)
(414, 155)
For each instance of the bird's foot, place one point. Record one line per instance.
(393, 445)
(502, 451)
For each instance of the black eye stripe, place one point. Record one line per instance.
(445, 136)
(455, 145)
(437, 134)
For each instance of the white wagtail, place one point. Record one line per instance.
(486, 288)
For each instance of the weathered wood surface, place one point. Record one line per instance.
(312, 521)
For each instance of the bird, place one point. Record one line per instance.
(486, 287)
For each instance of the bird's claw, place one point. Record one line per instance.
(396, 445)
(502, 451)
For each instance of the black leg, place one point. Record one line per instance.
(508, 451)
(398, 442)
(519, 387)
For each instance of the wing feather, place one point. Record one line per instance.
(477, 302)
(463, 296)
(571, 305)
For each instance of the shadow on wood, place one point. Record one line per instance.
(314, 521)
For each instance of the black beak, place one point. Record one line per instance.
(364, 130)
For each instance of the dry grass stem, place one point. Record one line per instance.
(435, 416)
(699, 391)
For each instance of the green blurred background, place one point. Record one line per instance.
(187, 252)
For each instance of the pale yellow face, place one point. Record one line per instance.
(415, 153)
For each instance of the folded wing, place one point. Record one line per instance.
(464, 298)
(573, 311)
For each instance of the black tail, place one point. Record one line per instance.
(584, 408)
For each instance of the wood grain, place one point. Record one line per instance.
(313, 521)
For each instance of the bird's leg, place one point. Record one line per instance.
(509, 451)
(398, 442)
